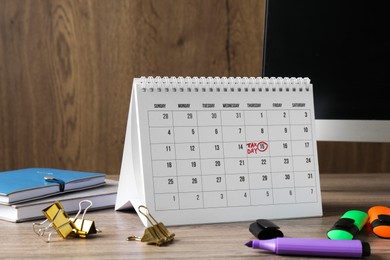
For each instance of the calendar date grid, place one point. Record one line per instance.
(206, 165)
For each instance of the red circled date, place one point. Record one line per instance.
(256, 147)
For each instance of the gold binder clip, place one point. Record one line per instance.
(84, 227)
(156, 234)
(59, 220)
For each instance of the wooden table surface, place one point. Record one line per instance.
(340, 192)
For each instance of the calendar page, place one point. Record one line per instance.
(210, 150)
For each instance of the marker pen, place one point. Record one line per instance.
(348, 225)
(380, 221)
(313, 247)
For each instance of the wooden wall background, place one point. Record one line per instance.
(66, 69)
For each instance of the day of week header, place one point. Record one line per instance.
(206, 105)
(160, 105)
(254, 104)
(183, 105)
(298, 104)
(277, 104)
(228, 105)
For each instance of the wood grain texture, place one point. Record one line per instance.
(353, 157)
(66, 69)
(340, 192)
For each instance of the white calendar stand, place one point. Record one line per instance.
(210, 150)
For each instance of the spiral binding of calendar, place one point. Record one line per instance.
(224, 84)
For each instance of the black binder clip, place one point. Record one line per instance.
(265, 229)
(83, 226)
(156, 234)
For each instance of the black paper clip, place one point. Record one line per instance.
(265, 229)
(156, 234)
(84, 227)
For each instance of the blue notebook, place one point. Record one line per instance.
(34, 183)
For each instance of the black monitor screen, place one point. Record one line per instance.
(342, 46)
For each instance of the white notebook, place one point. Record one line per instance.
(213, 150)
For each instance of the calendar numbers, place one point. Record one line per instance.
(164, 168)
(284, 196)
(256, 118)
(211, 150)
(157, 118)
(235, 149)
(215, 199)
(187, 150)
(166, 201)
(306, 194)
(238, 198)
(187, 118)
(188, 167)
(214, 182)
(302, 147)
(262, 197)
(219, 159)
(236, 165)
(210, 134)
(163, 151)
(209, 118)
(277, 117)
(230, 118)
(189, 183)
(165, 184)
(237, 181)
(161, 135)
(191, 200)
(234, 133)
(260, 181)
(185, 134)
(256, 133)
(213, 166)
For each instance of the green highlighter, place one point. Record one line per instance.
(348, 225)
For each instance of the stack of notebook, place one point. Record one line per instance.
(25, 192)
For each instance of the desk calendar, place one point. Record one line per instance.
(210, 150)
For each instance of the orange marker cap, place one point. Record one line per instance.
(379, 217)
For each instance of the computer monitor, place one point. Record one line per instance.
(343, 47)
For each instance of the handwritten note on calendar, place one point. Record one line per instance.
(222, 149)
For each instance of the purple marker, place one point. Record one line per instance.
(313, 247)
